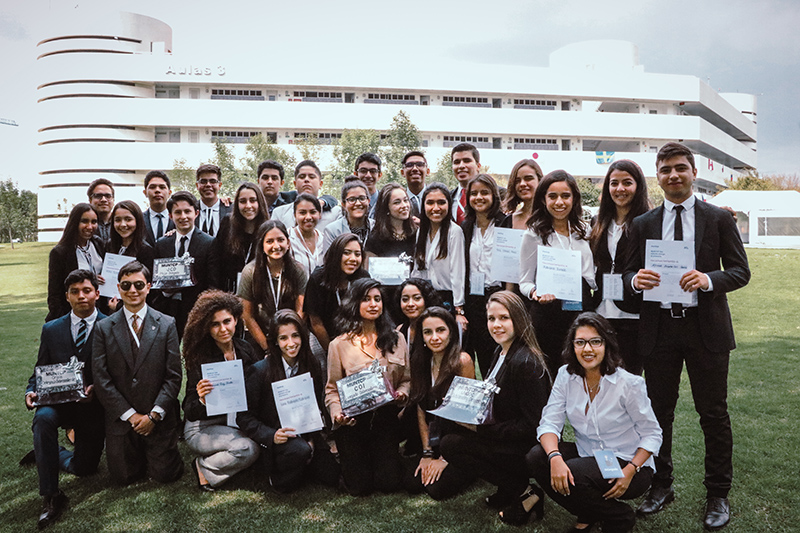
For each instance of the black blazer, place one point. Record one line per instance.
(150, 233)
(630, 302)
(193, 409)
(230, 264)
(719, 253)
(63, 261)
(468, 230)
(224, 210)
(206, 262)
(58, 346)
(524, 389)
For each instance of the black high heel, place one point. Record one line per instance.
(516, 515)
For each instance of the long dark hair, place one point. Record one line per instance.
(612, 358)
(608, 209)
(427, 291)
(494, 211)
(523, 328)
(305, 360)
(511, 200)
(290, 277)
(332, 274)
(70, 236)
(138, 234)
(238, 238)
(197, 340)
(383, 223)
(350, 322)
(541, 221)
(425, 226)
(421, 357)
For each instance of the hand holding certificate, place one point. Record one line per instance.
(468, 401)
(111, 265)
(671, 260)
(59, 383)
(505, 254)
(365, 391)
(297, 404)
(558, 272)
(228, 394)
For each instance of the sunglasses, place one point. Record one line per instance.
(126, 285)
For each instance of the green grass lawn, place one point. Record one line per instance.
(764, 400)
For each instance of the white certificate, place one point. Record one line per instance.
(111, 265)
(558, 272)
(505, 255)
(388, 270)
(671, 259)
(297, 404)
(228, 394)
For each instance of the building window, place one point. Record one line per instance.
(168, 135)
(166, 91)
(235, 137)
(466, 101)
(384, 98)
(529, 103)
(531, 143)
(318, 96)
(479, 142)
(237, 94)
(322, 138)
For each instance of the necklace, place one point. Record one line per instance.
(398, 236)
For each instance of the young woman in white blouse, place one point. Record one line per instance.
(439, 251)
(609, 410)
(556, 222)
(305, 238)
(624, 198)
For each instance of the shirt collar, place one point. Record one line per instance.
(75, 319)
(611, 378)
(687, 204)
(164, 213)
(286, 366)
(214, 207)
(129, 315)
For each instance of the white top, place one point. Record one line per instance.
(619, 419)
(445, 274)
(178, 238)
(285, 213)
(209, 217)
(528, 255)
(89, 259)
(480, 254)
(75, 323)
(608, 308)
(457, 203)
(308, 260)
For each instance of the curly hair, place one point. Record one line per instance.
(421, 356)
(350, 322)
(197, 334)
(429, 294)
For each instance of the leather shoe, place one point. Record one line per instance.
(205, 487)
(718, 513)
(28, 459)
(657, 498)
(52, 507)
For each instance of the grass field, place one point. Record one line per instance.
(764, 400)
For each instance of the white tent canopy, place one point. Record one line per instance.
(766, 219)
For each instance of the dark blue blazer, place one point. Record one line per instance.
(150, 233)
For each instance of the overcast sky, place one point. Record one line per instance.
(737, 45)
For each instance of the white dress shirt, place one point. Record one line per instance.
(154, 222)
(308, 260)
(209, 215)
(445, 274)
(529, 250)
(620, 418)
(285, 213)
(480, 254)
(178, 238)
(75, 323)
(608, 308)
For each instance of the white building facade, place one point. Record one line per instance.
(115, 102)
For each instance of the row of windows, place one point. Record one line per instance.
(316, 94)
(376, 96)
(236, 92)
(466, 99)
(303, 135)
(521, 101)
(234, 133)
(527, 140)
(465, 139)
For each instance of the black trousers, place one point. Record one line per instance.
(628, 339)
(551, 324)
(679, 340)
(131, 456)
(452, 480)
(585, 500)
(287, 466)
(368, 452)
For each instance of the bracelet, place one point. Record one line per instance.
(427, 454)
(552, 454)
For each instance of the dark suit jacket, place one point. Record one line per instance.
(231, 264)
(57, 346)
(224, 210)
(468, 230)
(63, 261)
(150, 233)
(719, 253)
(206, 262)
(630, 302)
(124, 381)
(524, 389)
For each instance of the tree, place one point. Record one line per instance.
(309, 147)
(590, 193)
(232, 175)
(260, 148)
(352, 144)
(18, 214)
(182, 176)
(752, 182)
(444, 172)
(403, 137)
(654, 192)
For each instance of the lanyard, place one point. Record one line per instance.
(309, 254)
(88, 257)
(338, 297)
(276, 295)
(593, 410)
(561, 237)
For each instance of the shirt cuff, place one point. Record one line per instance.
(127, 414)
(159, 410)
(710, 284)
(633, 284)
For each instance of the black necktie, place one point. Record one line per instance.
(415, 205)
(677, 309)
(208, 224)
(182, 249)
(160, 227)
(80, 340)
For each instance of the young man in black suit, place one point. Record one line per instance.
(68, 336)
(156, 218)
(183, 210)
(137, 370)
(213, 210)
(466, 162)
(699, 334)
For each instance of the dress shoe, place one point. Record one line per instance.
(657, 497)
(718, 513)
(28, 459)
(52, 507)
(500, 500)
(205, 487)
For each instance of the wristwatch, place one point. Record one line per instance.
(637, 467)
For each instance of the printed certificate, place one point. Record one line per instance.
(671, 259)
(297, 404)
(228, 394)
(558, 272)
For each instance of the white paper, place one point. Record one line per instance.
(388, 270)
(505, 254)
(228, 394)
(111, 265)
(297, 404)
(671, 259)
(612, 287)
(558, 272)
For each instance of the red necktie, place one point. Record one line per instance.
(463, 210)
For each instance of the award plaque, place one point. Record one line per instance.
(173, 272)
(390, 270)
(60, 383)
(468, 401)
(365, 391)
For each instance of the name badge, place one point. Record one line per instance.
(608, 464)
(364, 391)
(476, 281)
(571, 305)
(612, 287)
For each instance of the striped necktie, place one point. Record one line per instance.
(80, 340)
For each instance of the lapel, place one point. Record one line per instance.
(63, 334)
(149, 227)
(196, 242)
(149, 333)
(120, 328)
(699, 225)
(657, 223)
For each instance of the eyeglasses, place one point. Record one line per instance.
(102, 196)
(203, 181)
(595, 342)
(418, 164)
(126, 285)
(365, 171)
(354, 199)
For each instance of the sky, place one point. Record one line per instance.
(735, 45)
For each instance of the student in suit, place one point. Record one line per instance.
(100, 195)
(308, 178)
(415, 170)
(183, 209)
(466, 162)
(137, 370)
(156, 217)
(68, 336)
(701, 333)
(127, 233)
(212, 210)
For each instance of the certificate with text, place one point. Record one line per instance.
(558, 272)
(505, 254)
(297, 404)
(228, 394)
(111, 265)
(671, 259)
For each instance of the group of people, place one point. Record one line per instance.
(281, 282)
